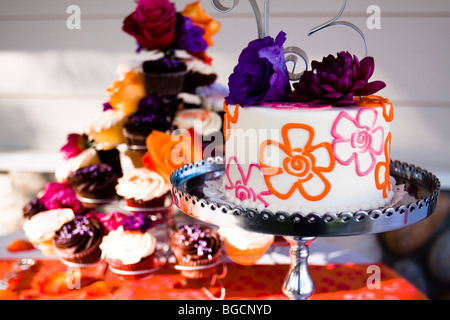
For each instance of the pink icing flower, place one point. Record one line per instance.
(241, 190)
(358, 139)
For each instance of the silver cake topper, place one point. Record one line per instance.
(292, 53)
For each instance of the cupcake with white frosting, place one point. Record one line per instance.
(142, 188)
(129, 250)
(41, 227)
(206, 125)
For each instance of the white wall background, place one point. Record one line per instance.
(53, 79)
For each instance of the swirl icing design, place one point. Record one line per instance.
(243, 192)
(364, 137)
(127, 246)
(77, 235)
(141, 184)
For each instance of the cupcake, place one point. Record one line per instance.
(245, 247)
(126, 93)
(85, 158)
(198, 74)
(190, 100)
(94, 185)
(41, 227)
(164, 76)
(207, 125)
(151, 114)
(78, 241)
(129, 250)
(111, 157)
(107, 130)
(143, 189)
(197, 249)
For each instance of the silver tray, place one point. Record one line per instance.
(420, 202)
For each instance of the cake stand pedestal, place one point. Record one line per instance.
(188, 183)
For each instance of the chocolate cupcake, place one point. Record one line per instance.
(33, 207)
(164, 76)
(111, 157)
(94, 184)
(78, 241)
(197, 249)
(198, 74)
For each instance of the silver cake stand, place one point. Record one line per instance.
(300, 229)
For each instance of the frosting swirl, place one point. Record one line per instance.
(109, 118)
(97, 179)
(195, 242)
(77, 235)
(127, 246)
(141, 184)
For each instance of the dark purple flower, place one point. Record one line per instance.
(336, 80)
(75, 144)
(261, 74)
(60, 195)
(137, 222)
(190, 37)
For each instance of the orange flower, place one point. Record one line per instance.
(126, 93)
(201, 18)
(302, 163)
(168, 152)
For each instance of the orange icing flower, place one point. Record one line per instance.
(168, 152)
(228, 119)
(201, 18)
(374, 101)
(303, 163)
(127, 92)
(382, 176)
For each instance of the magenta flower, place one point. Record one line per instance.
(60, 195)
(336, 80)
(75, 144)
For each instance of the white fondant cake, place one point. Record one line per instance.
(288, 157)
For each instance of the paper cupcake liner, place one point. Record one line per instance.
(198, 269)
(166, 84)
(146, 263)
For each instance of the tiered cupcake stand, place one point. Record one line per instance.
(300, 229)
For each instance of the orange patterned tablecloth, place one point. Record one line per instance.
(50, 279)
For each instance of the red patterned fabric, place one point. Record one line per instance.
(50, 279)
